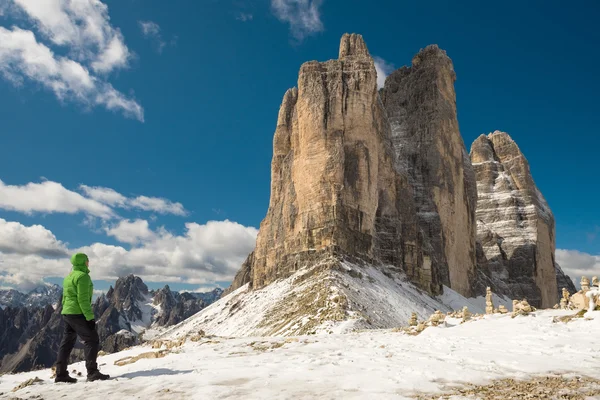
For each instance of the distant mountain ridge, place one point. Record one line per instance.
(41, 296)
(31, 325)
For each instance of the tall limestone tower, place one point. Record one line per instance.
(515, 224)
(335, 191)
(421, 104)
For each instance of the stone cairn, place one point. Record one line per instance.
(489, 303)
(437, 318)
(588, 297)
(466, 314)
(413, 320)
(565, 301)
(522, 308)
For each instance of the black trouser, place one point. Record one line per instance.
(76, 325)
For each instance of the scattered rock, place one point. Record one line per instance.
(150, 354)
(536, 388)
(28, 382)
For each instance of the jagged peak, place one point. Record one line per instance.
(482, 149)
(499, 133)
(504, 145)
(353, 45)
(431, 53)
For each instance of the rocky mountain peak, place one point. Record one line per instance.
(353, 45)
(421, 108)
(129, 288)
(431, 55)
(334, 190)
(164, 297)
(482, 150)
(515, 226)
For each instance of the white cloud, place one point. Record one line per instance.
(156, 204)
(23, 282)
(149, 28)
(104, 195)
(115, 54)
(383, 69)
(152, 30)
(203, 254)
(303, 16)
(49, 197)
(115, 199)
(132, 232)
(245, 17)
(22, 56)
(16, 238)
(577, 264)
(85, 41)
(81, 25)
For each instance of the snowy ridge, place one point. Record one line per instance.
(41, 296)
(321, 300)
(148, 310)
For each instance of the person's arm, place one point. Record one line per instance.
(83, 296)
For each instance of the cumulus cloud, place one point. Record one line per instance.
(21, 56)
(104, 195)
(577, 264)
(21, 281)
(303, 16)
(114, 199)
(383, 69)
(88, 45)
(204, 254)
(51, 197)
(131, 232)
(83, 26)
(16, 238)
(156, 204)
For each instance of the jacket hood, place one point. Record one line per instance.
(78, 261)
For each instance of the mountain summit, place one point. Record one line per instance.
(374, 204)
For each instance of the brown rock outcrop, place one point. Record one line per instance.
(514, 223)
(421, 105)
(334, 188)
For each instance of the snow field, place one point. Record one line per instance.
(379, 364)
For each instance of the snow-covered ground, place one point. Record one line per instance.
(377, 364)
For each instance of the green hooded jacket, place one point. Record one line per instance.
(78, 289)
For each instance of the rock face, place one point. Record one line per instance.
(334, 190)
(38, 345)
(514, 223)
(175, 307)
(18, 325)
(563, 281)
(421, 105)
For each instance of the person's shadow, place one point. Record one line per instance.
(154, 372)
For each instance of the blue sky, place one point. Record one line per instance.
(116, 133)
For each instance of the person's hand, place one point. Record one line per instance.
(92, 324)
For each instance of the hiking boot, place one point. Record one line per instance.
(64, 379)
(97, 376)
